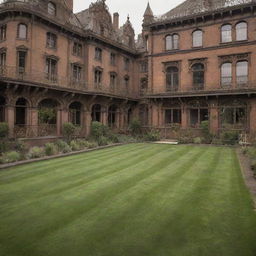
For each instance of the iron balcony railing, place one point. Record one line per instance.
(241, 84)
(51, 80)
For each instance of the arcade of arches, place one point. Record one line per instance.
(46, 116)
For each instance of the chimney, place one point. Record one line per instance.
(70, 4)
(116, 21)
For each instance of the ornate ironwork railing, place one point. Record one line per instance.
(42, 78)
(239, 86)
(32, 131)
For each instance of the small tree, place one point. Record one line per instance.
(135, 127)
(4, 130)
(68, 131)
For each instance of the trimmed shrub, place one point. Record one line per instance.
(98, 129)
(92, 144)
(135, 127)
(153, 135)
(207, 136)
(127, 139)
(253, 167)
(216, 141)
(103, 141)
(82, 144)
(10, 157)
(36, 152)
(113, 138)
(51, 149)
(74, 145)
(4, 130)
(4, 146)
(230, 137)
(63, 146)
(197, 140)
(69, 130)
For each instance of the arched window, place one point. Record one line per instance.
(172, 78)
(96, 113)
(126, 82)
(172, 42)
(21, 111)
(75, 110)
(241, 31)
(22, 31)
(143, 115)
(226, 33)
(197, 38)
(51, 8)
(242, 72)
(226, 74)
(2, 109)
(112, 111)
(198, 76)
(143, 85)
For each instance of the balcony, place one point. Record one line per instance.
(242, 86)
(42, 79)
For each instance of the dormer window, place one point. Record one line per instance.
(51, 8)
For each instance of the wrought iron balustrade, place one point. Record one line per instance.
(35, 77)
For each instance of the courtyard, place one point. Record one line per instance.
(131, 200)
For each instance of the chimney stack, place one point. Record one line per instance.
(116, 21)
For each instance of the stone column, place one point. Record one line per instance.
(214, 117)
(10, 118)
(104, 116)
(87, 121)
(184, 117)
(59, 122)
(33, 122)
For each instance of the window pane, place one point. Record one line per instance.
(175, 41)
(226, 73)
(242, 72)
(22, 31)
(226, 33)
(241, 31)
(197, 38)
(169, 45)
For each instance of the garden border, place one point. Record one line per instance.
(247, 173)
(7, 166)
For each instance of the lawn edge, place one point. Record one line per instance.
(7, 166)
(247, 174)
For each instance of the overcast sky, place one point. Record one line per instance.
(135, 8)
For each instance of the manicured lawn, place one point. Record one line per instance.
(133, 200)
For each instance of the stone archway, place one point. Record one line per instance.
(96, 113)
(48, 117)
(2, 109)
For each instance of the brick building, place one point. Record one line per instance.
(194, 63)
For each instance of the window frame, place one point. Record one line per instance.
(194, 38)
(51, 38)
(19, 31)
(223, 35)
(236, 30)
(174, 43)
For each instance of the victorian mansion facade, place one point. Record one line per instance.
(196, 62)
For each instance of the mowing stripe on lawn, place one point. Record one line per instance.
(160, 200)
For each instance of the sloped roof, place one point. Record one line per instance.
(148, 11)
(193, 7)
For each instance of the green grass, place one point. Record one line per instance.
(133, 200)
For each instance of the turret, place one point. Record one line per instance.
(148, 15)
